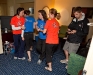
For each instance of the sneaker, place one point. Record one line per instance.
(64, 61)
(29, 60)
(39, 61)
(23, 58)
(15, 57)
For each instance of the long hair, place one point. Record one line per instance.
(43, 13)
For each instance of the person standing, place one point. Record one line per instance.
(77, 30)
(28, 32)
(51, 29)
(42, 18)
(17, 24)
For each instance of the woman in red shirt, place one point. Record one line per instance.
(52, 40)
(17, 24)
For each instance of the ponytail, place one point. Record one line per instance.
(54, 11)
(58, 16)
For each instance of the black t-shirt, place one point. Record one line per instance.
(81, 28)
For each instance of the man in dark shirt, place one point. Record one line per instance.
(77, 30)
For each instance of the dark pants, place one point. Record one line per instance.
(41, 48)
(19, 46)
(50, 49)
(28, 40)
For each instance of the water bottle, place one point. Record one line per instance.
(5, 30)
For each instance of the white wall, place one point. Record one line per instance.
(1, 48)
(12, 5)
(89, 61)
(40, 4)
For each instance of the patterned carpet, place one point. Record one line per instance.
(9, 66)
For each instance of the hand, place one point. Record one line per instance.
(74, 31)
(41, 30)
(23, 38)
(35, 23)
(69, 30)
(22, 27)
(38, 29)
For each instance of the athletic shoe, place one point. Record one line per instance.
(39, 61)
(23, 58)
(15, 57)
(64, 61)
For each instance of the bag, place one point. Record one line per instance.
(83, 52)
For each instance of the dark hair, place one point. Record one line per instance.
(43, 13)
(77, 9)
(27, 12)
(56, 14)
(19, 10)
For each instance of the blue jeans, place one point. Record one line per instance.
(19, 46)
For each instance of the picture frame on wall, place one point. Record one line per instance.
(87, 10)
(46, 8)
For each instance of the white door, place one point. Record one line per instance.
(1, 48)
(88, 68)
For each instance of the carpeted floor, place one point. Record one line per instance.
(9, 66)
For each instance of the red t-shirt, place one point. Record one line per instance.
(52, 27)
(17, 22)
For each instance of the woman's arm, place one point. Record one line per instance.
(35, 24)
(16, 28)
(22, 34)
(46, 27)
(44, 31)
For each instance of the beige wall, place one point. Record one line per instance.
(3, 1)
(12, 5)
(65, 8)
(3, 9)
(27, 5)
(39, 4)
(24, 1)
